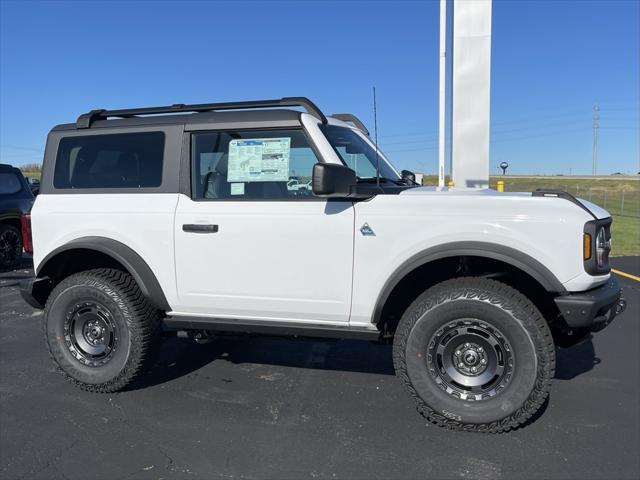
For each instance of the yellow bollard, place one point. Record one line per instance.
(501, 185)
(449, 183)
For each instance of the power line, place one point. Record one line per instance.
(521, 137)
(18, 147)
(553, 127)
(405, 142)
(574, 113)
(550, 134)
(409, 134)
(569, 113)
(504, 122)
(538, 127)
(423, 149)
(26, 153)
(578, 114)
(501, 132)
(626, 109)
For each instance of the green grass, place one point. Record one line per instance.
(625, 233)
(619, 196)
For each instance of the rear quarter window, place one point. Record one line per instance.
(119, 161)
(9, 183)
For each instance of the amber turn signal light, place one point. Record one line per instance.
(586, 246)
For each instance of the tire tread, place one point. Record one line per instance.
(508, 298)
(141, 316)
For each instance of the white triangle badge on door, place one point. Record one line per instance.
(367, 231)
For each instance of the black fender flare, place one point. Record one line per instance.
(126, 256)
(511, 256)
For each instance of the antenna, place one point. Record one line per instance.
(594, 153)
(375, 129)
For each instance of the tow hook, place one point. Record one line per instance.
(203, 337)
(621, 306)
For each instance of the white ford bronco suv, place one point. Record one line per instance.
(179, 218)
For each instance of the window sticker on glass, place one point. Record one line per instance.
(259, 160)
(237, 189)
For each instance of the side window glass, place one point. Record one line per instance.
(257, 164)
(129, 160)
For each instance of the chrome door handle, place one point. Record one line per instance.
(199, 228)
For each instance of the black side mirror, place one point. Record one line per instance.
(409, 177)
(332, 180)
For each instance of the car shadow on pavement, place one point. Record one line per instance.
(575, 360)
(182, 356)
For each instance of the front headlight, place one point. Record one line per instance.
(596, 246)
(603, 247)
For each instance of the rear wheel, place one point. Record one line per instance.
(100, 330)
(10, 247)
(475, 354)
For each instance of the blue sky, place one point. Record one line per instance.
(550, 62)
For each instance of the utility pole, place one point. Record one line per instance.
(442, 97)
(596, 118)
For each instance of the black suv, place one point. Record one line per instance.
(16, 199)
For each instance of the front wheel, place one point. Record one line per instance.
(475, 354)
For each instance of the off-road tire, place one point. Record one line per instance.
(135, 320)
(496, 305)
(10, 239)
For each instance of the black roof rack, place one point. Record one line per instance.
(349, 117)
(86, 119)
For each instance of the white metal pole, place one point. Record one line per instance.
(441, 102)
(470, 109)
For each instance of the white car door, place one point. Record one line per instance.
(247, 247)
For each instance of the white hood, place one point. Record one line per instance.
(487, 192)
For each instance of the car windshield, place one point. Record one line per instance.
(357, 153)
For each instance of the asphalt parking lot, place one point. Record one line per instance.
(263, 407)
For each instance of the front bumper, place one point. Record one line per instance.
(593, 309)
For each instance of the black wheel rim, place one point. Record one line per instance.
(10, 247)
(470, 359)
(91, 334)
